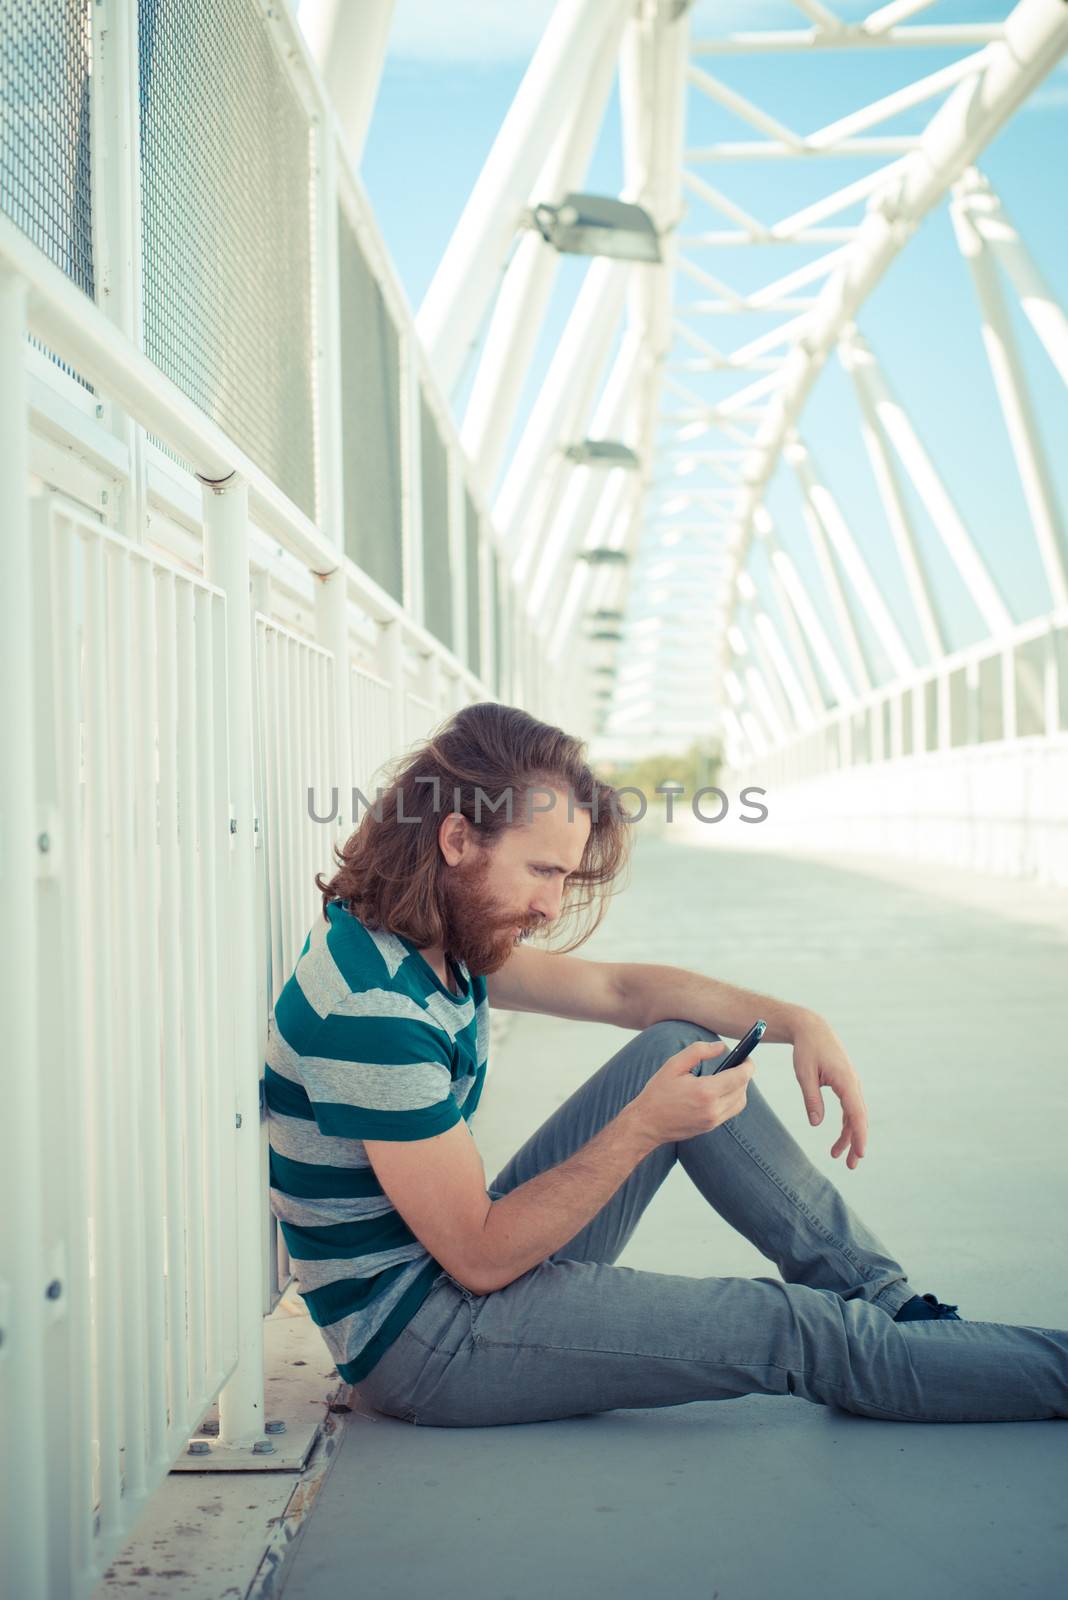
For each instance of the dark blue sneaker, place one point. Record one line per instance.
(925, 1308)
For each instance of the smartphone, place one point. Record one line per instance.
(733, 1058)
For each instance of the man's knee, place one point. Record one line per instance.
(675, 1033)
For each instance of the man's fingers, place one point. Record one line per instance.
(856, 1115)
(851, 1138)
(813, 1101)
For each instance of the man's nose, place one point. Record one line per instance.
(547, 904)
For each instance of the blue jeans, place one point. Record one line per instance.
(577, 1334)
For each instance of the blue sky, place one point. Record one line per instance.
(450, 75)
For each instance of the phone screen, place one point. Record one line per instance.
(743, 1048)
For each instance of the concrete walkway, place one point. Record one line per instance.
(951, 994)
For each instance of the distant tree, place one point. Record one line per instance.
(695, 768)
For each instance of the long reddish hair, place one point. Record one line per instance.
(391, 868)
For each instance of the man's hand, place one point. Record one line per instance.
(820, 1061)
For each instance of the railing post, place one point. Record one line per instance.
(226, 562)
(23, 1305)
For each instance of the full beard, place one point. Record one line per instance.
(477, 928)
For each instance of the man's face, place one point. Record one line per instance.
(497, 897)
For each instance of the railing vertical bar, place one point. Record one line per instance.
(226, 1152)
(325, 768)
(262, 920)
(325, 775)
(322, 761)
(305, 753)
(97, 929)
(192, 1006)
(170, 965)
(316, 830)
(267, 807)
(360, 773)
(209, 822)
(285, 808)
(126, 1068)
(369, 734)
(65, 552)
(305, 779)
(226, 549)
(330, 766)
(24, 1503)
(62, 1220)
(273, 725)
(281, 814)
(148, 983)
(288, 797)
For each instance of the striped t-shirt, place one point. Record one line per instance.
(365, 1042)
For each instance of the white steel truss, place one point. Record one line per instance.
(636, 356)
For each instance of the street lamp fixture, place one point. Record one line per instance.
(603, 453)
(602, 555)
(596, 225)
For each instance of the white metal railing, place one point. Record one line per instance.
(184, 651)
(137, 1164)
(1006, 689)
(372, 718)
(964, 764)
(294, 721)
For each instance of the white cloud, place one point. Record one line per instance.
(467, 30)
(487, 31)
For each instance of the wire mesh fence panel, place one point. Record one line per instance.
(45, 148)
(370, 418)
(134, 1064)
(437, 578)
(226, 220)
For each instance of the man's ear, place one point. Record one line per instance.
(453, 840)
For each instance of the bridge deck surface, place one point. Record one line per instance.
(951, 994)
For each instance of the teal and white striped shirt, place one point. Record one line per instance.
(365, 1042)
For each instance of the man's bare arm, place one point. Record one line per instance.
(634, 995)
(656, 994)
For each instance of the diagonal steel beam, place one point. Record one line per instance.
(1017, 408)
(857, 361)
(1036, 37)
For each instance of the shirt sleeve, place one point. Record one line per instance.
(380, 1074)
